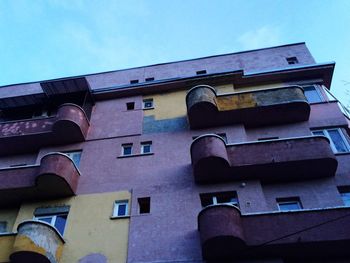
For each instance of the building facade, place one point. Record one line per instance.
(241, 157)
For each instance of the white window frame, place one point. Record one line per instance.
(147, 101)
(143, 144)
(53, 219)
(116, 206)
(340, 131)
(124, 146)
(215, 201)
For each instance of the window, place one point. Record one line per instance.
(146, 147)
(148, 103)
(149, 79)
(127, 149)
(292, 60)
(312, 94)
(120, 208)
(345, 194)
(201, 72)
(219, 198)
(144, 205)
(3, 226)
(56, 220)
(338, 142)
(134, 81)
(289, 204)
(75, 156)
(130, 105)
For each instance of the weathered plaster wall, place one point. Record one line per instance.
(89, 228)
(6, 244)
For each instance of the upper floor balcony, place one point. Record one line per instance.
(55, 176)
(253, 108)
(318, 233)
(37, 241)
(288, 159)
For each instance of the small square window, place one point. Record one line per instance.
(219, 198)
(130, 105)
(146, 147)
(149, 79)
(144, 205)
(120, 208)
(126, 149)
(75, 156)
(289, 204)
(3, 226)
(134, 81)
(148, 103)
(292, 60)
(345, 194)
(201, 72)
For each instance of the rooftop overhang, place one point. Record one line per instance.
(64, 86)
(321, 73)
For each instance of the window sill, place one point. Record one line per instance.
(134, 155)
(8, 234)
(344, 153)
(119, 217)
(150, 108)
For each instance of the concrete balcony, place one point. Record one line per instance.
(255, 108)
(270, 161)
(55, 176)
(68, 126)
(38, 242)
(319, 233)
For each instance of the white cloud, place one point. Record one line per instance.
(265, 36)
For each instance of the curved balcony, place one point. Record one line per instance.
(221, 231)
(38, 242)
(273, 160)
(69, 125)
(55, 176)
(255, 108)
(227, 235)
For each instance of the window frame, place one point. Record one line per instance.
(215, 196)
(145, 101)
(289, 200)
(143, 145)
(342, 136)
(71, 155)
(125, 146)
(53, 220)
(116, 206)
(318, 92)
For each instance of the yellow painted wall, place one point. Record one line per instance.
(89, 228)
(260, 87)
(6, 244)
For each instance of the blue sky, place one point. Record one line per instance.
(45, 39)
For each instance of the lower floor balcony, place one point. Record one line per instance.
(227, 235)
(38, 242)
(288, 159)
(55, 176)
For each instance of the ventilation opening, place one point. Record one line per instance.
(134, 81)
(201, 72)
(144, 205)
(292, 60)
(149, 79)
(130, 105)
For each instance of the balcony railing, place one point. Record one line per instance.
(255, 108)
(55, 176)
(69, 125)
(37, 241)
(272, 160)
(226, 234)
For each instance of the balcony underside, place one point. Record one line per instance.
(270, 161)
(257, 108)
(302, 234)
(56, 176)
(69, 126)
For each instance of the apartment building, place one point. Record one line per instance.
(241, 157)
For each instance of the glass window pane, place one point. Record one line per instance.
(311, 94)
(318, 133)
(126, 150)
(289, 206)
(76, 159)
(46, 219)
(61, 223)
(146, 148)
(346, 198)
(121, 209)
(337, 141)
